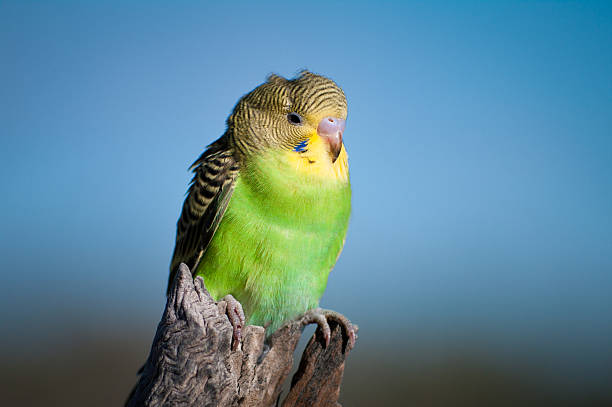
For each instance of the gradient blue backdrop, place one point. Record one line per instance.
(480, 149)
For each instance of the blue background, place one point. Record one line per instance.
(480, 144)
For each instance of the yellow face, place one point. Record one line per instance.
(315, 158)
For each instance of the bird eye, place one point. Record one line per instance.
(294, 118)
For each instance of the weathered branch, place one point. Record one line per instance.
(192, 364)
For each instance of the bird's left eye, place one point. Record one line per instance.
(294, 118)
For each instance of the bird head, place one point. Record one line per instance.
(304, 116)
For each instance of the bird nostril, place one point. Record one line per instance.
(330, 125)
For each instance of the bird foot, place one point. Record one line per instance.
(320, 317)
(236, 317)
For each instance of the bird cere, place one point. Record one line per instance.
(267, 210)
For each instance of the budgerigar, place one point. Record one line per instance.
(267, 211)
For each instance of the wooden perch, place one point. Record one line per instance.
(192, 363)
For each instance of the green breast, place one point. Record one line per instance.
(278, 240)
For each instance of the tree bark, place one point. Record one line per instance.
(192, 363)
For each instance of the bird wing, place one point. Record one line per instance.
(209, 193)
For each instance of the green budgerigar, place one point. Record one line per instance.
(267, 211)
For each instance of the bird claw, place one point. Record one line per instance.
(320, 316)
(236, 317)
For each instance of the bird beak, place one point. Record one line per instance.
(331, 129)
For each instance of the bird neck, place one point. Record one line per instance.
(274, 183)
